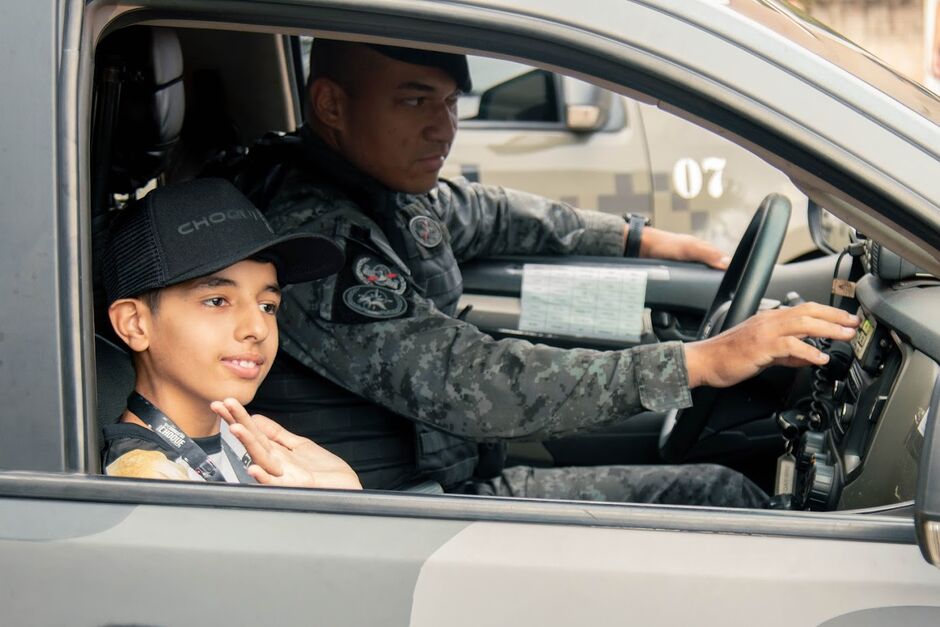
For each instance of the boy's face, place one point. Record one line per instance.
(215, 336)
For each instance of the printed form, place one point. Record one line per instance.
(603, 302)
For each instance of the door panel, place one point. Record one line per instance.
(34, 278)
(80, 563)
(552, 575)
(71, 552)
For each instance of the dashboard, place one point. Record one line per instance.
(863, 432)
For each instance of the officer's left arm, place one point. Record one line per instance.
(659, 244)
(489, 220)
(486, 220)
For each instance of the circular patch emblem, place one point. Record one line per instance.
(371, 271)
(426, 231)
(374, 302)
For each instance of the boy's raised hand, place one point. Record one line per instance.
(282, 458)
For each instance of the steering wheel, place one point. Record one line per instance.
(743, 285)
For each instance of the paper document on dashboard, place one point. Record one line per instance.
(603, 302)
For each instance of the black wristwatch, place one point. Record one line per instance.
(635, 222)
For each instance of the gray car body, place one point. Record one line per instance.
(82, 549)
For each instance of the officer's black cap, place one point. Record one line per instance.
(188, 230)
(455, 65)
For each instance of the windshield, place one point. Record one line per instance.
(797, 25)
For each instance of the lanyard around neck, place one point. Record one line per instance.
(189, 451)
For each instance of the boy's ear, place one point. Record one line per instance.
(131, 319)
(328, 102)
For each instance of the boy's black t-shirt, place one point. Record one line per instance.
(131, 450)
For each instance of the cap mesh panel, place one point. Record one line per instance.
(132, 264)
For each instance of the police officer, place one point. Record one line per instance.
(374, 365)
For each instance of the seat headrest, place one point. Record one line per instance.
(114, 371)
(149, 65)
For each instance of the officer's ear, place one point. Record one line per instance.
(328, 103)
(132, 319)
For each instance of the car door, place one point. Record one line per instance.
(77, 548)
(95, 551)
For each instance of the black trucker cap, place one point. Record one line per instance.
(187, 230)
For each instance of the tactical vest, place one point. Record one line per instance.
(385, 449)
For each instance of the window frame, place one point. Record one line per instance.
(883, 525)
(892, 525)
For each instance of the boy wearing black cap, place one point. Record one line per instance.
(193, 275)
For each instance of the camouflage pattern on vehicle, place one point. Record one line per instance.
(555, 136)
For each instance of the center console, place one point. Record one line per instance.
(855, 438)
(849, 396)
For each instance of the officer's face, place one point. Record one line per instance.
(213, 337)
(399, 122)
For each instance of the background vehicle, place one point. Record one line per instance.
(931, 46)
(559, 137)
(860, 143)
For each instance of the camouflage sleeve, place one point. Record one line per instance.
(489, 220)
(434, 368)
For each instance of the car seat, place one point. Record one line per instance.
(138, 111)
(138, 115)
(114, 373)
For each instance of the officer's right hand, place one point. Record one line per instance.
(770, 338)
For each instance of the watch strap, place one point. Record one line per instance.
(635, 226)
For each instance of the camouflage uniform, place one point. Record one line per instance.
(400, 347)
(691, 484)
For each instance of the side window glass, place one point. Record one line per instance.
(560, 137)
(530, 97)
(557, 136)
(504, 91)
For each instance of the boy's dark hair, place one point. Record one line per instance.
(151, 298)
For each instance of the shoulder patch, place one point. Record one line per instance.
(371, 271)
(374, 302)
(426, 231)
